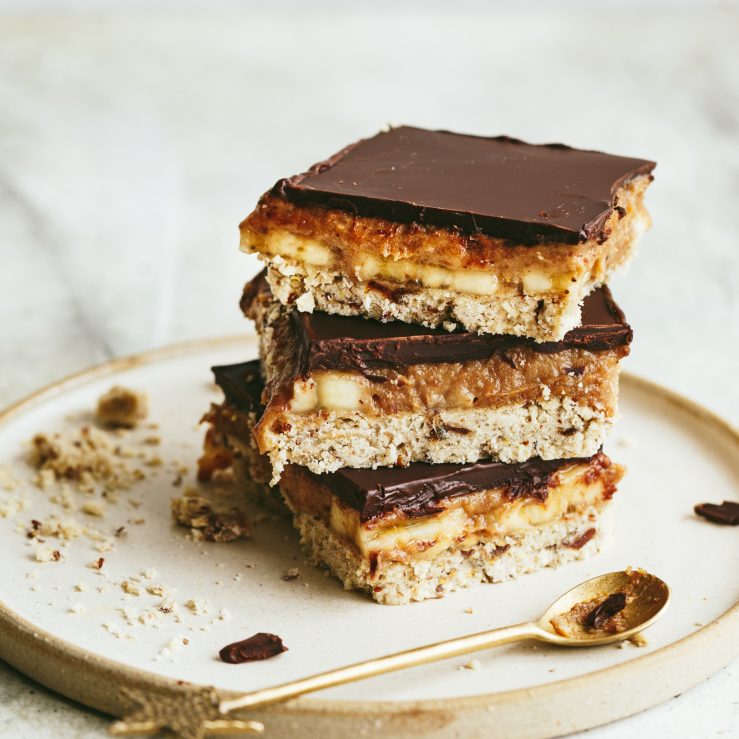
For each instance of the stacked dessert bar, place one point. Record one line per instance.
(439, 357)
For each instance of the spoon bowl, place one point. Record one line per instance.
(648, 597)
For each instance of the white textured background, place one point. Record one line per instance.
(132, 142)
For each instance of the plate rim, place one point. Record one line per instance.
(39, 643)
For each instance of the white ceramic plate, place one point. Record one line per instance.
(677, 455)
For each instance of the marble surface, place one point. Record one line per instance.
(133, 142)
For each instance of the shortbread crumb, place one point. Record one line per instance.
(198, 606)
(93, 508)
(131, 586)
(84, 456)
(47, 554)
(122, 408)
(205, 522)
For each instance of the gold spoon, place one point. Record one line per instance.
(199, 712)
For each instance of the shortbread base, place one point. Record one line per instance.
(553, 429)
(505, 558)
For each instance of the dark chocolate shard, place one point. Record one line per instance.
(726, 513)
(360, 344)
(257, 647)
(613, 604)
(242, 384)
(496, 186)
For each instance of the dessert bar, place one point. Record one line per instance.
(439, 358)
(407, 534)
(446, 230)
(351, 392)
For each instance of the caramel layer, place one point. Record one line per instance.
(462, 521)
(388, 254)
(516, 376)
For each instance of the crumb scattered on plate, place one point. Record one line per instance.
(122, 408)
(206, 522)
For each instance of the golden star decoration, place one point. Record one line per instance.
(190, 714)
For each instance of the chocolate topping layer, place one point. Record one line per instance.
(355, 343)
(497, 186)
(242, 384)
(416, 489)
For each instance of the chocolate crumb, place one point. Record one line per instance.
(100, 563)
(457, 429)
(257, 647)
(376, 379)
(613, 604)
(281, 427)
(726, 514)
(392, 294)
(374, 562)
(581, 541)
(507, 359)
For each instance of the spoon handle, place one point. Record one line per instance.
(398, 661)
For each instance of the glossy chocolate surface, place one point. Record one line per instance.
(415, 490)
(496, 186)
